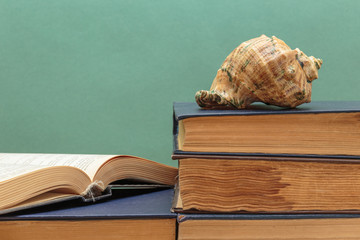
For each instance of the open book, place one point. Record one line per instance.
(32, 179)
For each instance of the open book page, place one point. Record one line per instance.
(9, 170)
(14, 164)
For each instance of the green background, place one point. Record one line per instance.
(82, 76)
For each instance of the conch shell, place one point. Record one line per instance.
(265, 70)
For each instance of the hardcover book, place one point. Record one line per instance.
(141, 216)
(28, 180)
(275, 226)
(267, 185)
(318, 129)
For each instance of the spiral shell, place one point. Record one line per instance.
(265, 70)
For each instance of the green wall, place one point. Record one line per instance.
(82, 76)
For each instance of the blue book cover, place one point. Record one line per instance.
(194, 216)
(139, 204)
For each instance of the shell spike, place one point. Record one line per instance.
(318, 62)
(209, 99)
(311, 67)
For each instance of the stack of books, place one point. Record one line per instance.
(267, 169)
(260, 173)
(82, 196)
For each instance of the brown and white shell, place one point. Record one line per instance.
(265, 70)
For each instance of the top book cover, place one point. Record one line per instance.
(329, 129)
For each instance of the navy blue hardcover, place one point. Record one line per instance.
(151, 204)
(114, 189)
(186, 217)
(183, 110)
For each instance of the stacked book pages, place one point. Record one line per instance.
(85, 196)
(294, 168)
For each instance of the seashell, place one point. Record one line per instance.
(265, 70)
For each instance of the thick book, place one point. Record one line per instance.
(267, 185)
(318, 129)
(261, 226)
(141, 216)
(28, 180)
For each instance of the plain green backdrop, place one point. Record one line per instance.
(85, 76)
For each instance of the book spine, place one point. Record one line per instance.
(175, 132)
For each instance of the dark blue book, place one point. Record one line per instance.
(323, 129)
(267, 226)
(140, 215)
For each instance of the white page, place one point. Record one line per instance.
(20, 163)
(8, 170)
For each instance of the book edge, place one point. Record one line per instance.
(182, 217)
(263, 109)
(177, 155)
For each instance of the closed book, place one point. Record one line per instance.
(271, 227)
(141, 216)
(318, 129)
(240, 184)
